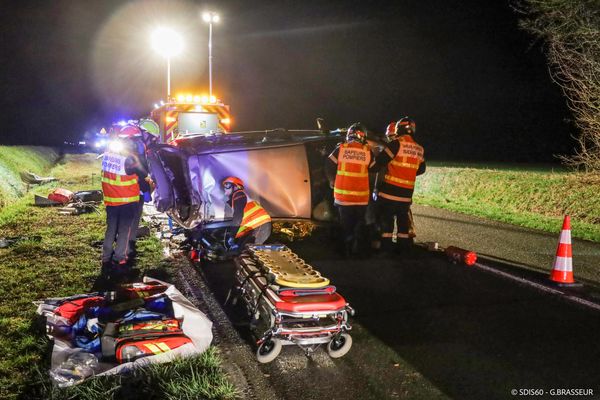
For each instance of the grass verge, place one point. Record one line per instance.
(14, 159)
(532, 197)
(66, 261)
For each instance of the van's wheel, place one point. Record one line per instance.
(268, 350)
(339, 345)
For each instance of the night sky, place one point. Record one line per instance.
(477, 86)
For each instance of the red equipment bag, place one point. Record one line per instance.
(152, 326)
(130, 341)
(140, 290)
(61, 195)
(73, 309)
(139, 346)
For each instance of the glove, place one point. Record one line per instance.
(151, 183)
(231, 242)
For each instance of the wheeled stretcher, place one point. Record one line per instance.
(290, 303)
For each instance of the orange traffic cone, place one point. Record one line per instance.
(562, 273)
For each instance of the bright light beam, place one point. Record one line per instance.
(166, 42)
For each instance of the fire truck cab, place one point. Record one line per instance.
(188, 115)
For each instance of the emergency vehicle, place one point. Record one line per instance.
(189, 115)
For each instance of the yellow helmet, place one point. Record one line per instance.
(149, 126)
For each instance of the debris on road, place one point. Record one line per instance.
(458, 255)
(60, 195)
(454, 254)
(30, 178)
(11, 241)
(73, 203)
(41, 201)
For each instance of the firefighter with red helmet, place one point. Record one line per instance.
(121, 174)
(390, 131)
(351, 190)
(404, 159)
(251, 223)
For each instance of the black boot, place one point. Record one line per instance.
(106, 268)
(348, 247)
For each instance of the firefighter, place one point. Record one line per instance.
(146, 136)
(390, 131)
(351, 191)
(251, 223)
(120, 183)
(373, 218)
(404, 160)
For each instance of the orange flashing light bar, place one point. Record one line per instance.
(203, 99)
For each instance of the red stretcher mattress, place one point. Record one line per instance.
(321, 302)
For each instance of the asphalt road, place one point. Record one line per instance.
(426, 328)
(525, 247)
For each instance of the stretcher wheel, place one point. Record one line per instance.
(268, 350)
(339, 346)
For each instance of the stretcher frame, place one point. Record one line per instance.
(309, 321)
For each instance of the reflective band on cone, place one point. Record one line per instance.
(562, 272)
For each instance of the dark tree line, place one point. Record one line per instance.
(570, 30)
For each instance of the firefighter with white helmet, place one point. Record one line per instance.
(250, 223)
(351, 190)
(121, 175)
(404, 159)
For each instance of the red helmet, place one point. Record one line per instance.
(231, 181)
(390, 131)
(406, 126)
(129, 131)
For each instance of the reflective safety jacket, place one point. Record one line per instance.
(119, 188)
(405, 160)
(353, 161)
(253, 214)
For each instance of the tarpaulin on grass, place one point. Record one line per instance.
(194, 324)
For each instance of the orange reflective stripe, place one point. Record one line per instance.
(407, 182)
(351, 192)
(122, 199)
(351, 202)
(402, 168)
(254, 216)
(405, 164)
(119, 182)
(354, 174)
(352, 177)
(119, 189)
(253, 210)
(395, 198)
(256, 222)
